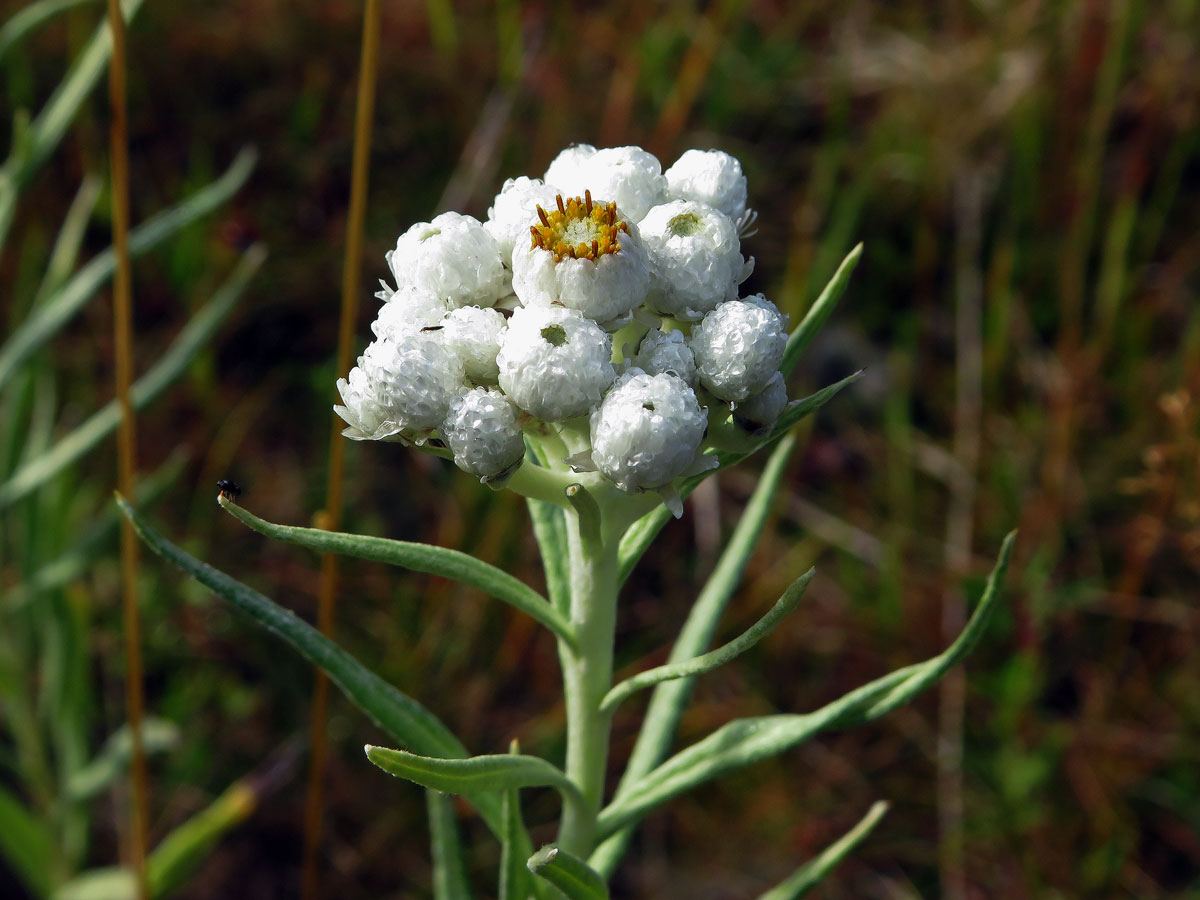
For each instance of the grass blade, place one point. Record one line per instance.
(821, 309)
(706, 662)
(812, 872)
(64, 303)
(26, 844)
(194, 336)
(449, 870)
(32, 148)
(401, 717)
(499, 772)
(113, 758)
(570, 874)
(745, 741)
(32, 17)
(70, 238)
(452, 564)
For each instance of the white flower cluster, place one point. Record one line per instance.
(608, 289)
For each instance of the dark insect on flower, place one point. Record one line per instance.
(229, 489)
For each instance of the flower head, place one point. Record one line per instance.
(555, 362)
(739, 346)
(647, 430)
(482, 431)
(698, 258)
(585, 256)
(453, 257)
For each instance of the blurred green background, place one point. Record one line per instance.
(1025, 178)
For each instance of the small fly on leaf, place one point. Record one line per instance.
(230, 490)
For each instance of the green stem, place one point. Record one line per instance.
(587, 668)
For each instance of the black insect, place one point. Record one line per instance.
(229, 489)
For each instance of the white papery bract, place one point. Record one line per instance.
(361, 413)
(647, 430)
(453, 256)
(629, 176)
(566, 169)
(739, 346)
(604, 289)
(515, 209)
(761, 410)
(555, 362)
(698, 258)
(474, 334)
(498, 331)
(667, 352)
(408, 383)
(709, 176)
(409, 309)
(482, 431)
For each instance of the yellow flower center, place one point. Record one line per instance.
(579, 229)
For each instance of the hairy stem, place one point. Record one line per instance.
(587, 669)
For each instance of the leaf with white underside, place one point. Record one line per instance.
(400, 716)
(809, 875)
(570, 874)
(706, 662)
(477, 774)
(745, 741)
(452, 564)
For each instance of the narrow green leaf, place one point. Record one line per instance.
(642, 533)
(31, 17)
(38, 140)
(670, 698)
(26, 844)
(449, 869)
(79, 553)
(401, 717)
(62, 304)
(515, 846)
(498, 772)
(812, 872)
(180, 853)
(113, 759)
(806, 407)
(550, 532)
(803, 334)
(190, 340)
(70, 238)
(108, 883)
(58, 113)
(706, 662)
(745, 741)
(452, 564)
(570, 874)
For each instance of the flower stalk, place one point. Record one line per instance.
(587, 667)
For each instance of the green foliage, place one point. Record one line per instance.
(809, 875)
(447, 563)
(570, 874)
(745, 741)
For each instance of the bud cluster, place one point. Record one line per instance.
(601, 301)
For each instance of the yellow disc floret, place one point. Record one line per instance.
(578, 229)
